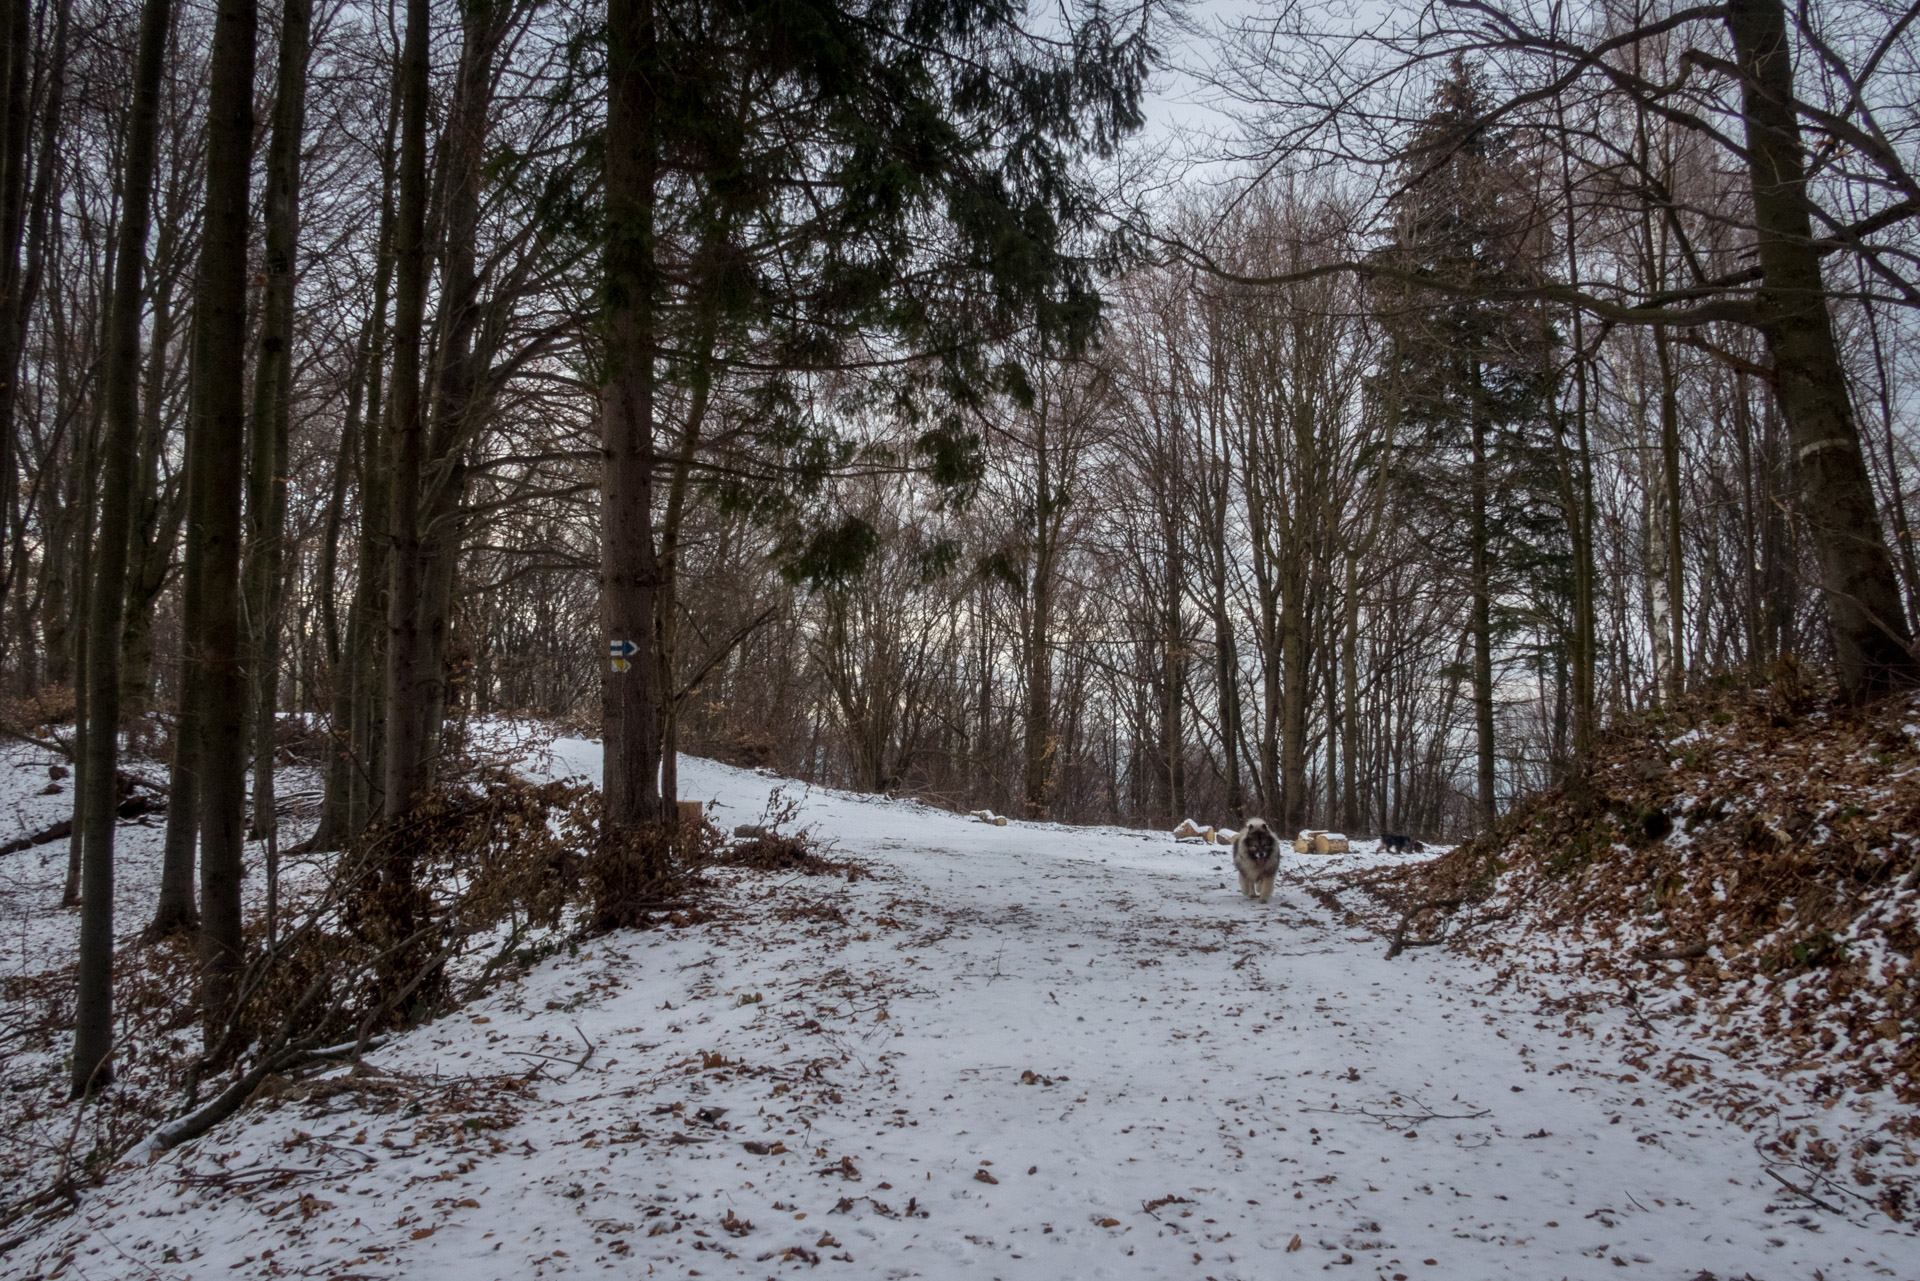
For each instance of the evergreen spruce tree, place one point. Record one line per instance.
(1470, 375)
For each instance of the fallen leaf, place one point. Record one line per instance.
(981, 1176)
(1293, 1244)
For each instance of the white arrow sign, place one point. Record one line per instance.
(622, 648)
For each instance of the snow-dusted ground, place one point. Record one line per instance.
(1028, 1051)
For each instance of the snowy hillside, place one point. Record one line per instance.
(1022, 1051)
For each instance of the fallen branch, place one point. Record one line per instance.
(1399, 940)
(132, 807)
(1405, 1118)
(1831, 1209)
(582, 1062)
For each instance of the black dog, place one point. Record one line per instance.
(1395, 841)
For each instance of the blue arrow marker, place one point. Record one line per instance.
(622, 648)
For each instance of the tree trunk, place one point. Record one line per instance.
(1173, 680)
(157, 514)
(1870, 637)
(16, 105)
(459, 376)
(1670, 511)
(668, 561)
(212, 636)
(1267, 634)
(1296, 683)
(332, 832)
(1348, 713)
(95, 808)
(408, 695)
(1039, 718)
(1225, 650)
(365, 652)
(629, 574)
(1750, 527)
(272, 414)
(1481, 588)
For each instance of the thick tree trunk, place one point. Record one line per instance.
(408, 695)
(1870, 637)
(213, 637)
(629, 574)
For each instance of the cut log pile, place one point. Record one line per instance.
(1192, 831)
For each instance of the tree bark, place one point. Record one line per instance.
(1871, 641)
(629, 574)
(408, 696)
(213, 636)
(176, 911)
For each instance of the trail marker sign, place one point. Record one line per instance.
(621, 665)
(622, 648)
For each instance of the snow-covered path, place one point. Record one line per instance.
(1026, 1051)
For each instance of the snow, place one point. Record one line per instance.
(1028, 1051)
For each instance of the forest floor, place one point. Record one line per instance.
(996, 1052)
